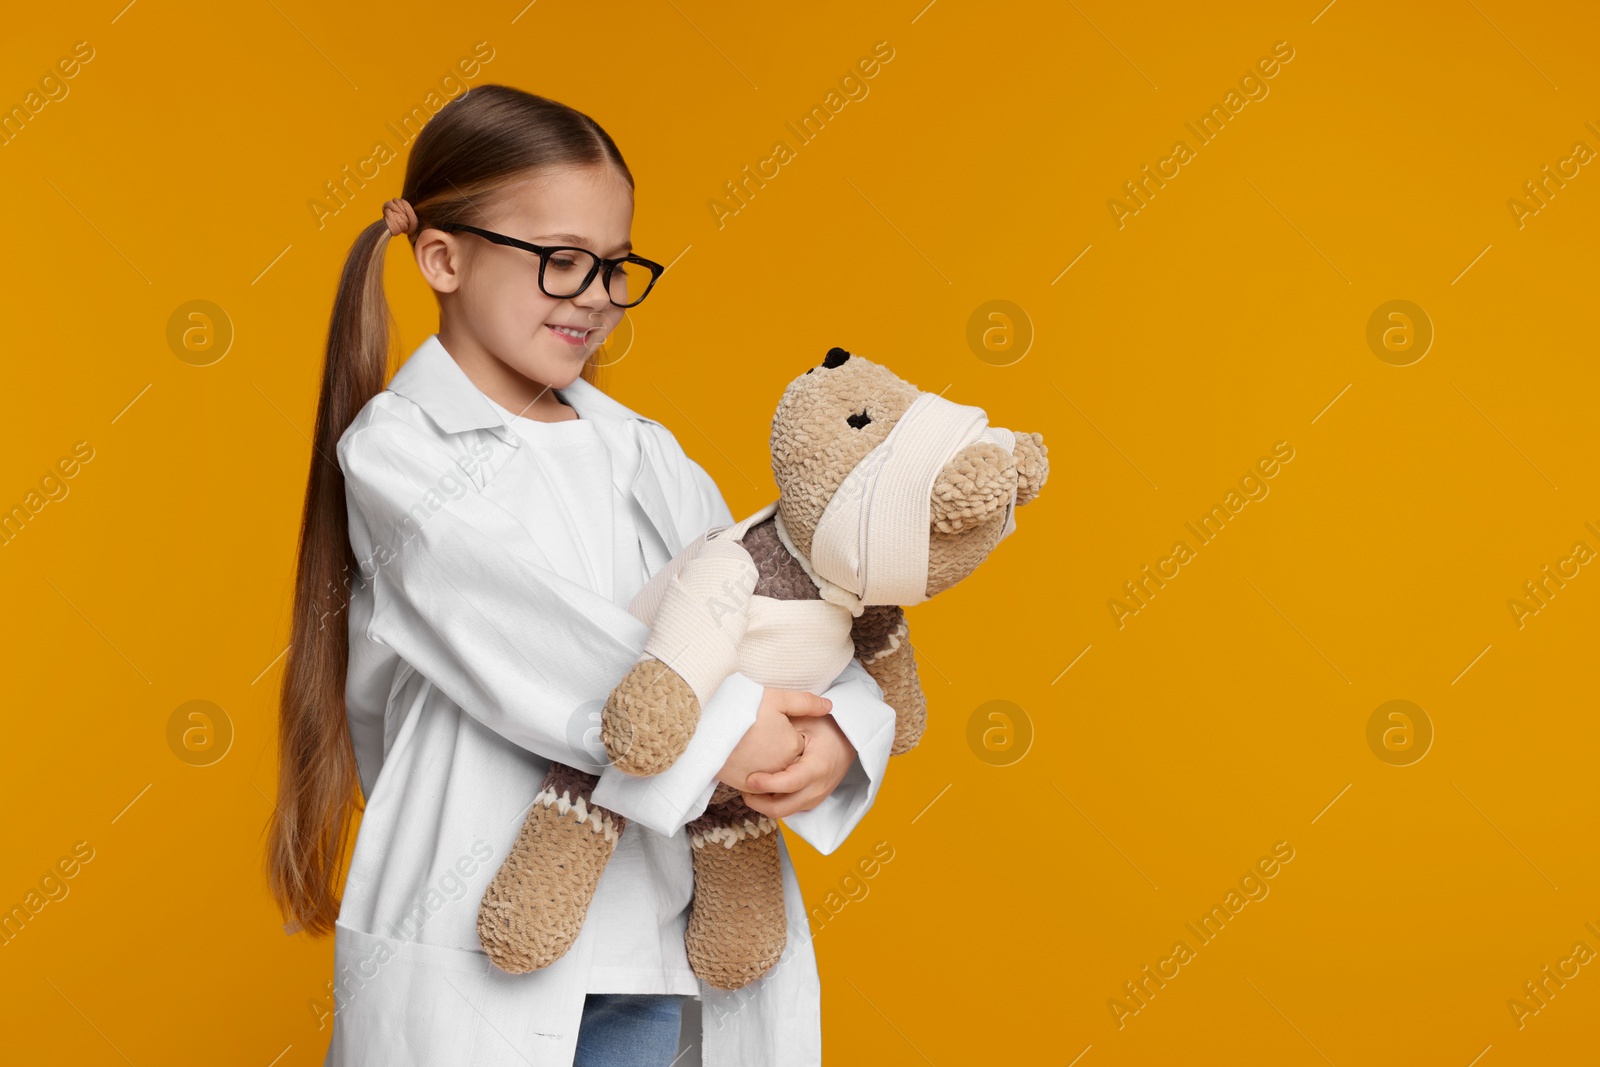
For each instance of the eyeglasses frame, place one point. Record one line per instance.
(544, 252)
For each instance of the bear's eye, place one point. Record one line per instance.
(858, 421)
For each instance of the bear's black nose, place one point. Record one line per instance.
(835, 357)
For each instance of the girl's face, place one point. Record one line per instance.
(494, 319)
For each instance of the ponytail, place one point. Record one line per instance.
(317, 776)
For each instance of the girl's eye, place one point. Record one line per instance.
(563, 262)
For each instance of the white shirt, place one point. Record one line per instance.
(483, 644)
(639, 911)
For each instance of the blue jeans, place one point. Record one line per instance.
(628, 1030)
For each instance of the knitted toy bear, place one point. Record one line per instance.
(887, 496)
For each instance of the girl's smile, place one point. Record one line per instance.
(576, 337)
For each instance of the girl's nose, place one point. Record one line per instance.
(596, 294)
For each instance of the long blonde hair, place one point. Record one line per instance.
(477, 144)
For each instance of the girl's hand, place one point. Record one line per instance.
(807, 781)
(773, 742)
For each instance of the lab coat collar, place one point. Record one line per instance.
(435, 382)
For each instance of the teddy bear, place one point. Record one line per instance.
(887, 496)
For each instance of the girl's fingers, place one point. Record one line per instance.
(789, 780)
(783, 805)
(800, 703)
(771, 806)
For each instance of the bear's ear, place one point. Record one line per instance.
(835, 357)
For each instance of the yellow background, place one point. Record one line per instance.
(1223, 318)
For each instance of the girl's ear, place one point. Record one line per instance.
(440, 257)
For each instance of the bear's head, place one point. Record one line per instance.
(865, 460)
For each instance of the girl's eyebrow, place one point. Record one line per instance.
(582, 242)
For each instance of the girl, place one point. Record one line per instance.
(491, 513)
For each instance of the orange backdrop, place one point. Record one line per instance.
(1323, 276)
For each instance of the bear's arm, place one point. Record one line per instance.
(883, 644)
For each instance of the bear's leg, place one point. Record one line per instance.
(737, 926)
(533, 909)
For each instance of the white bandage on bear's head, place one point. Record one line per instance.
(872, 538)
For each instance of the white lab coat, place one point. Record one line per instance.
(478, 653)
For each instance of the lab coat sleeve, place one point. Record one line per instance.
(704, 505)
(463, 593)
(868, 722)
(667, 801)
(682, 792)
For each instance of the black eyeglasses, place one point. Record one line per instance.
(565, 271)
